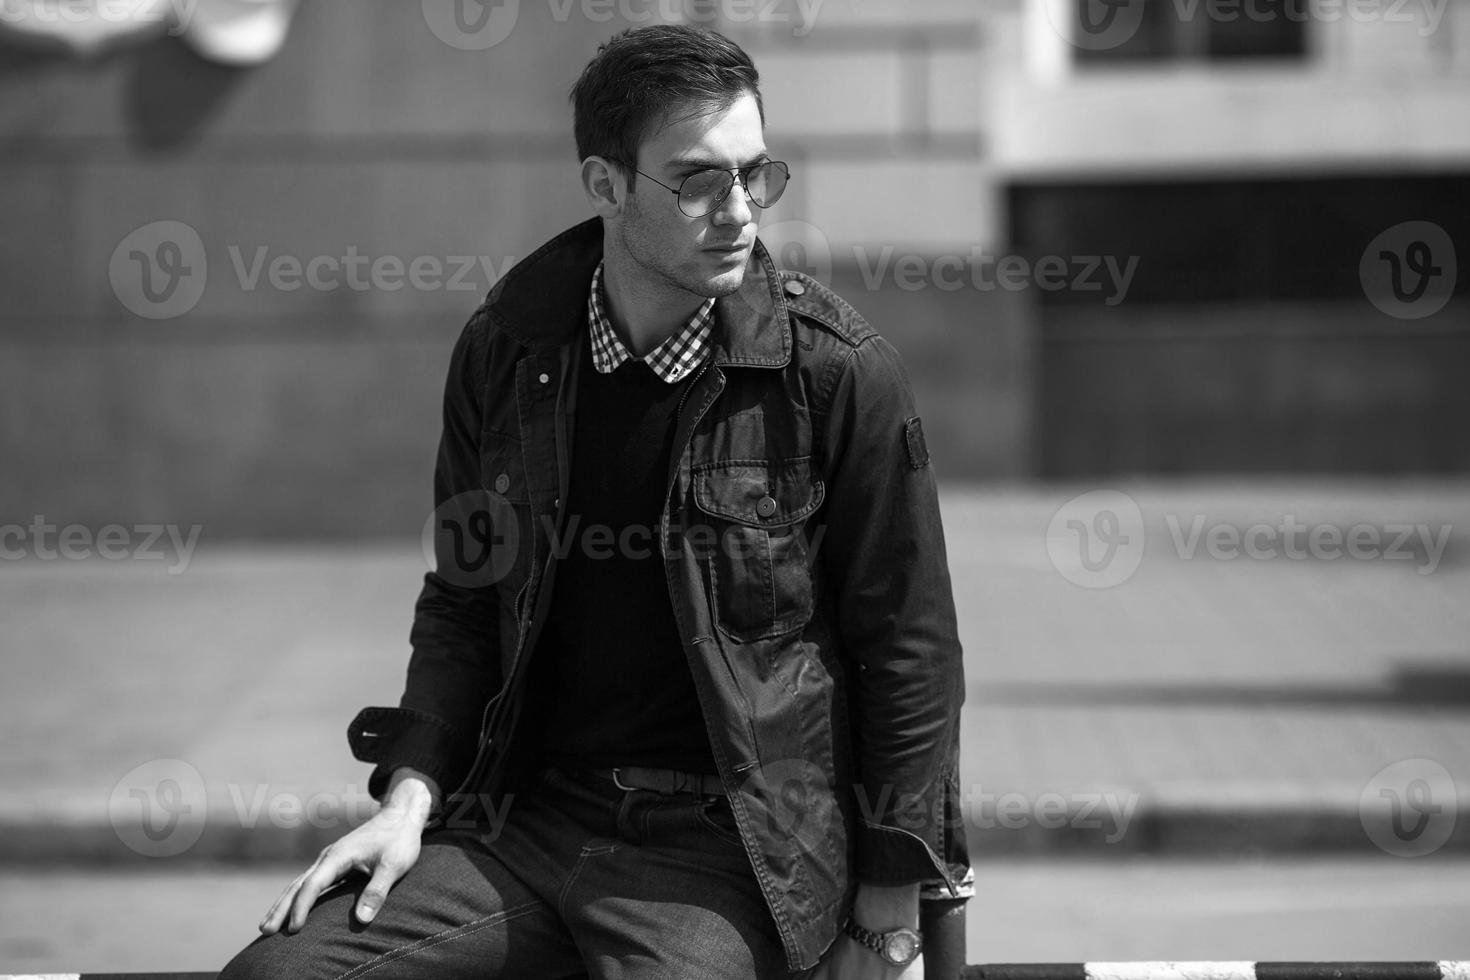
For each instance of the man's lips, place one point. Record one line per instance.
(734, 247)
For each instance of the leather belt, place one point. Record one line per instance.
(666, 781)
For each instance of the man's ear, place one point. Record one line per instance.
(606, 186)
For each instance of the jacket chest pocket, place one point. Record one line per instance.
(754, 543)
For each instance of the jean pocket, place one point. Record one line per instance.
(716, 817)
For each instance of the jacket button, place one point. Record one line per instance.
(544, 377)
(765, 507)
(795, 287)
(556, 502)
(502, 483)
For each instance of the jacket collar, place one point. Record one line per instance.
(542, 301)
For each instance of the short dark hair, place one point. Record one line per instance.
(640, 76)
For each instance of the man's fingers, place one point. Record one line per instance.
(273, 915)
(327, 870)
(376, 891)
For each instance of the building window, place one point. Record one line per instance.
(1193, 30)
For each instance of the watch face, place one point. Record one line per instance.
(900, 948)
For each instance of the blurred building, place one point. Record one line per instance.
(1261, 158)
(1193, 198)
(1107, 236)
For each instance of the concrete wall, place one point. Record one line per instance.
(272, 410)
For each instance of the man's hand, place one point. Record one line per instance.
(880, 909)
(386, 846)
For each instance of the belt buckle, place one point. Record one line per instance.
(619, 783)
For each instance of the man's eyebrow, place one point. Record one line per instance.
(704, 163)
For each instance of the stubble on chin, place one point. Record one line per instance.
(725, 285)
(692, 278)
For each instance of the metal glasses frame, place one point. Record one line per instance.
(741, 174)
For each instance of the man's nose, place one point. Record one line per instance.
(735, 209)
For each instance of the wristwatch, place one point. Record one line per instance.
(899, 947)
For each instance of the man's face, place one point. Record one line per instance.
(704, 256)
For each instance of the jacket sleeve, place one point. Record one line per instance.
(454, 667)
(884, 556)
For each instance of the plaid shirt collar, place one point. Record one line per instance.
(671, 360)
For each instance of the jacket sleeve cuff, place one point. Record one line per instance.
(938, 890)
(892, 856)
(395, 737)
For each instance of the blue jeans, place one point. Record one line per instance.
(583, 879)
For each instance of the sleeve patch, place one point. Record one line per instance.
(913, 437)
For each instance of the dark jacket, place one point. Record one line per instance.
(819, 626)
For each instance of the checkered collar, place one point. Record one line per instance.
(671, 360)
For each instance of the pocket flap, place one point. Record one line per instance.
(757, 492)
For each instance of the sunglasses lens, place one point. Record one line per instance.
(705, 191)
(702, 193)
(767, 182)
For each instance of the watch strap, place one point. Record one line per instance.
(869, 938)
(878, 941)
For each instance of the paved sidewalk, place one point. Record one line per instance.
(1290, 698)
